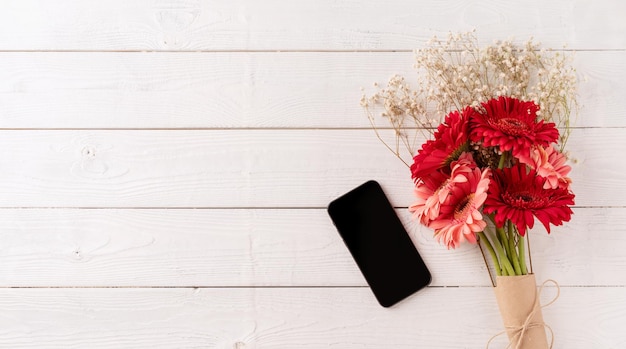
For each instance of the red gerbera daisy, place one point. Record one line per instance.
(450, 141)
(512, 125)
(518, 195)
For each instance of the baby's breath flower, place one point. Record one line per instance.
(456, 72)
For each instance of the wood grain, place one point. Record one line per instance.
(212, 90)
(291, 318)
(303, 25)
(241, 248)
(240, 168)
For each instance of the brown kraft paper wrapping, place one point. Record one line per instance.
(517, 298)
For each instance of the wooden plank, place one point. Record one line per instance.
(302, 25)
(291, 318)
(88, 248)
(240, 168)
(212, 90)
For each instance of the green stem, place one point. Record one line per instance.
(504, 241)
(522, 254)
(514, 257)
(498, 235)
(504, 260)
(494, 257)
(501, 163)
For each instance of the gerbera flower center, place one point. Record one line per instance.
(463, 206)
(525, 200)
(512, 126)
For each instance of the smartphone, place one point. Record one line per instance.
(379, 244)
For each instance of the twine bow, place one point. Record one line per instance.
(519, 331)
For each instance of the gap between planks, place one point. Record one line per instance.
(236, 128)
(275, 51)
(241, 51)
(273, 287)
(213, 207)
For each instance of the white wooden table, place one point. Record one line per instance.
(165, 167)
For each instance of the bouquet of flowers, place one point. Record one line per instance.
(495, 159)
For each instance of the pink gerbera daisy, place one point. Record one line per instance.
(549, 164)
(429, 192)
(519, 195)
(460, 217)
(450, 140)
(433, 190)
(511, 124)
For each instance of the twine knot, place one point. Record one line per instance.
(518, 332)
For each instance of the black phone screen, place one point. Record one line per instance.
(379, 243)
